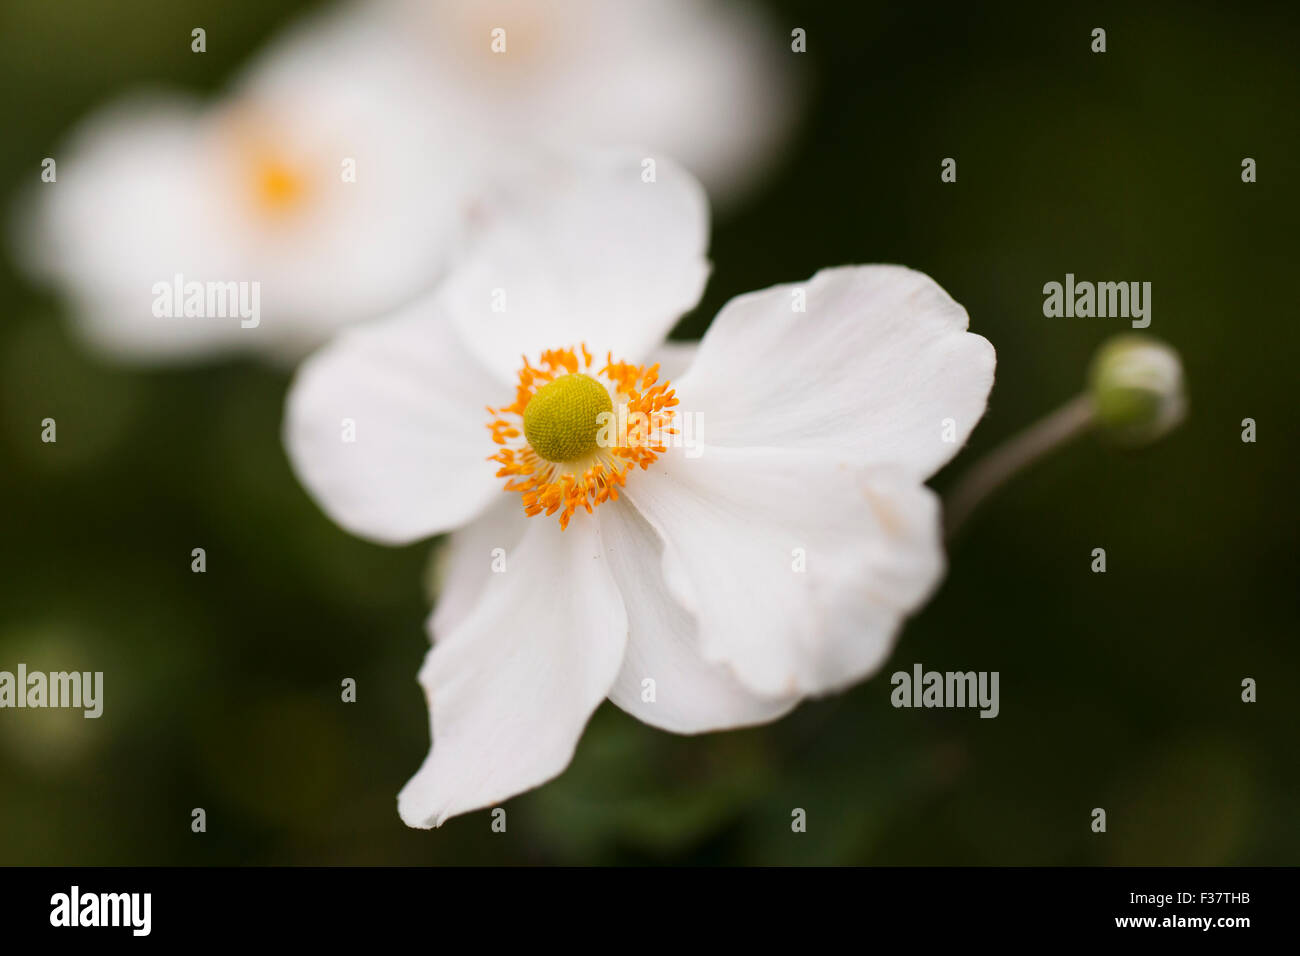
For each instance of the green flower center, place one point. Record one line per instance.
(561, 421)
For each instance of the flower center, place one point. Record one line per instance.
(562, 419)
(274, 179)
(582, 431)
(279, 187)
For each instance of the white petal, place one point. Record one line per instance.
(738, 524)
(673, 358)
(416, 400)
(332, 97)
(173, 184)
(130, 209)
(872, 370)
(690, 695)
(467, 558)
(581, 250)
(511, 688)
(712, 84)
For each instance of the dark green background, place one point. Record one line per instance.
(1119, 690)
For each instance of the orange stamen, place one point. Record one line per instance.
(643, 410)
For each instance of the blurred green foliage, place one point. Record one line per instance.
(1118, 690)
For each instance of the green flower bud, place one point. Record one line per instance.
(1136, 385)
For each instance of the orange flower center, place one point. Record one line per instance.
(572, 433)
(278, 185)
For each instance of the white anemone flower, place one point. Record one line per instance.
(328, 185)
(698, 585)
(714, 85)
(318, 185)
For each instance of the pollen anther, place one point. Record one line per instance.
(572, 434)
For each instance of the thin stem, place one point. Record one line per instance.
(1013, 456)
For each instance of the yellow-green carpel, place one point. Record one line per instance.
(562, 420)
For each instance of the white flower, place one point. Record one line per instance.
(713, 85)
(256, 187)
(335, 175)
(775, 565)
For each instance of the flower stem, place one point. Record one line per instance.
(1012, 457)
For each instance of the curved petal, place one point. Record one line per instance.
(582, 250)
(512, 686)
(691, 695)
(798, 568)
(871, 371)
(467, 557)
(142, 151)
(417, 462)
(673, 358)
(383, 199)
(711, 84)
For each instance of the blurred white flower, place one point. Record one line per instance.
(777, 564)
(320, 177)
(334, 176)
(714, 85)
